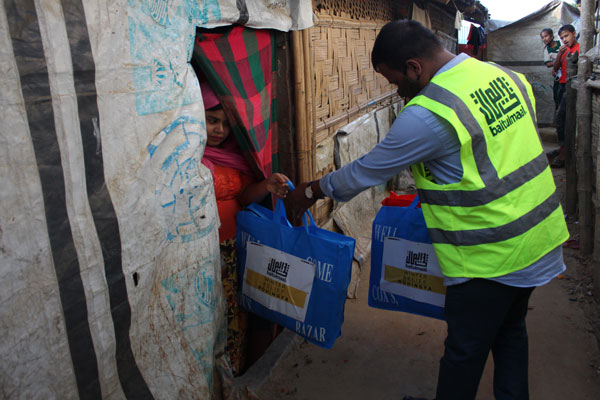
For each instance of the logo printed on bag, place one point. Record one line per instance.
(417, 260)
(278, 280)
(422, 281)
(278, 269)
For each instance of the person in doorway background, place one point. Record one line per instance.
(235, 187)
(487, 194)
(568, 36)
(551, 47)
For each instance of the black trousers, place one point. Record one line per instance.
(483, 316)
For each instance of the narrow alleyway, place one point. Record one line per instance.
(384, 354)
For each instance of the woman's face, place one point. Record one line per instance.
(546, 37)
(217, 127)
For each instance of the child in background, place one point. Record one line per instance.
(570, 46)
(551, 47)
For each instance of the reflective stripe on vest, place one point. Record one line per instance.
(499, 233)
(494, 187)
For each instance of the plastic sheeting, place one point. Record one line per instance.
(109, 259)
(355, 217)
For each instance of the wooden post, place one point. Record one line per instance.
(302, 147)
(588, 227)
(595, 87)
(570, 126)
(584, 131)
(586, 37)
(584, 157)
(310, 112)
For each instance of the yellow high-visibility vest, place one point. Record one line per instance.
(504, 214)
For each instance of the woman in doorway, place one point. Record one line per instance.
(235, 187)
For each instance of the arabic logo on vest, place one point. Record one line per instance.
(499, 104)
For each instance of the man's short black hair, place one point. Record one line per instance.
(548, 31)
(567, 27)
(401, 40)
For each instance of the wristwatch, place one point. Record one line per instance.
(308, 192)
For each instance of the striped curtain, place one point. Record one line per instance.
(239, 64)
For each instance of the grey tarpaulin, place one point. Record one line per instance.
(355, 217)
(109, 267)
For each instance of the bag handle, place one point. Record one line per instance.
(415, 202)
(280, 215)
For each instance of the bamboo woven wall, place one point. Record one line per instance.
(343, 83)
(344, 79)
(371, 10)
(340, 52)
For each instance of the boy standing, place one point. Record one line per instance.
(551, 47)
(570, 46)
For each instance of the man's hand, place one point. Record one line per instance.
(296, 204)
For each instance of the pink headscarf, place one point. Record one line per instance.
(228, 154)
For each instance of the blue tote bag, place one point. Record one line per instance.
(294, 276)
(405, 274)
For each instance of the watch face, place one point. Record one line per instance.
(308, 192)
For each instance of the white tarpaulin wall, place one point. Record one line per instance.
(109, 259)
(518, 47)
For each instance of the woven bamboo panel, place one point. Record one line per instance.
(344, 78)
(345, 85)
(363, 9)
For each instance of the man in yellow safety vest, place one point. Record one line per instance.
(469, 133)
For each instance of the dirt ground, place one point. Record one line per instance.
(385, 354)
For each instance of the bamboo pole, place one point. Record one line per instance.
(300, 108)
(311, 117)
(310, 111)
(595, 86)
(584, 157)
(570, 126)
(587, 225)
(586, 39)
(584, 131)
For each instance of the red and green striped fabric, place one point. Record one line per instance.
(239, 64)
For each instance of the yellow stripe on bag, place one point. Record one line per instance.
(276, 289)
(415, 280)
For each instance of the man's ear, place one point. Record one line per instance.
(415, 65)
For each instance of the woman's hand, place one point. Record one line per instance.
(257, 191)
(277, 185)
